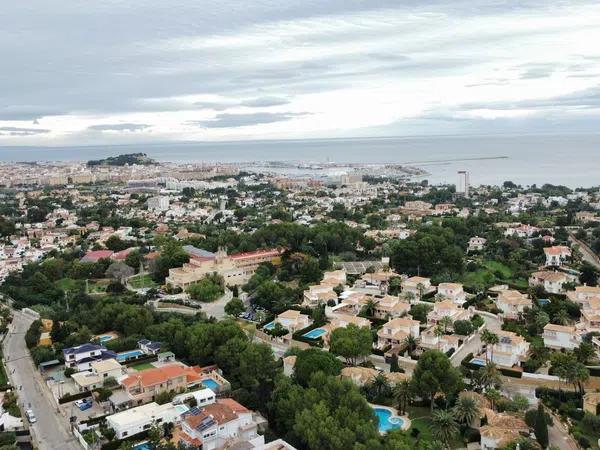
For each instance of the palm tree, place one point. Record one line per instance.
(421, 289)
(490, 339)
(410, 296)
(370, 307)
(445, 322)
(491, 376)
(380, 385)
(493, 395)
(443, 426)
(436, 445)
(438, 332)
(403, 393)
(411, 342)
(467, 410)
(561, 317)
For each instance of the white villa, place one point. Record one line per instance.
(141, 418)
(556, 255)
(552, 282)
(417, 286)
(452, 291)
(510, 351)
(512, 303)
(390, 307)
(293, 320)
(476, 244)
(561, 337)
(396, 330)
(447, 308)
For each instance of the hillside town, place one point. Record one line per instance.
(152, 305)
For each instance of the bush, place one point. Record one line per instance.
(471, 435)
(463, 327)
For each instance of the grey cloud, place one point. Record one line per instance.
(26, 112)
(244, 120)
(588, 98)
(265, 101)
(18, 131)
(119, 127)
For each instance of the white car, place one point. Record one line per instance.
(30, 416)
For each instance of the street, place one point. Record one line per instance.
(50, 432)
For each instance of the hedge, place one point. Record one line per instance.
(511, 372)
(139, 359)
(78, 396)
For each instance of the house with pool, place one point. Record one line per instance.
(139, 419)
(223, 422)
(143, 386)
(82, 356)
(510, 351)
(98, 373)
(291, 320)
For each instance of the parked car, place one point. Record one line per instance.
(30, 416)
(84, 403)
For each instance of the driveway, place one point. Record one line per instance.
(216, 309)
(51, 429)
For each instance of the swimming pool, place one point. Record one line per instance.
(211, 384)
(269, 326)
(106, 338)
(385, 420)
(129, 355)
(142, 446)
(478, 361)
(182, 408)
(314, 334)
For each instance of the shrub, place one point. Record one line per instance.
(471, 435)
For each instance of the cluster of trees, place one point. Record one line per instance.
(432, 251)
(207, 289)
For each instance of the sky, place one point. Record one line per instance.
(83, 72)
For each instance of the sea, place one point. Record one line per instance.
(568, 159)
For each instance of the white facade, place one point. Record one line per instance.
(158, 203)
(141, 418)
(561, 337)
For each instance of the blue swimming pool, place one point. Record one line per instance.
(385, 420)
(104, 339)
(142, 446)
(129, 355)
(314, 334)
(211, 384)
(269, 326)
(478, 361)
(544, 301)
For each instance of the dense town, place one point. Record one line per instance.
(208, 306)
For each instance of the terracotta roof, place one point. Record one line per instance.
(162, 374)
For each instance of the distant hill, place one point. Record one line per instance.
(122, 160)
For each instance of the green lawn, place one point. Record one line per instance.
(421, 420)
(68, 284)
(142, 366)
(142, 281)
(496, 266)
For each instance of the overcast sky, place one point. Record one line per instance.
(92, 72)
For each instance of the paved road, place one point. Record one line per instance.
(474, 346)
(51, 429)
(216, 309)
(586, 252)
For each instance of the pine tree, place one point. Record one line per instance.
(541, 427)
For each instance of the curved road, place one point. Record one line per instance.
(51, 429)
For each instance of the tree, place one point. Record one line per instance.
(379, 386)
(419, 312)
(541, 427)
(443, 426)
(434, 374)
(467, 410)
(493, 395)
(490, 339)
(351, 342)
(445, 322)
(315, 360)
(207, 289)
(589, 274)
(235, 307)
(561, 317)
(403, 393)
(463, 327)
(411, 343)
(584, 352)
(119, 271)
(394, 366)
(369, 307)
